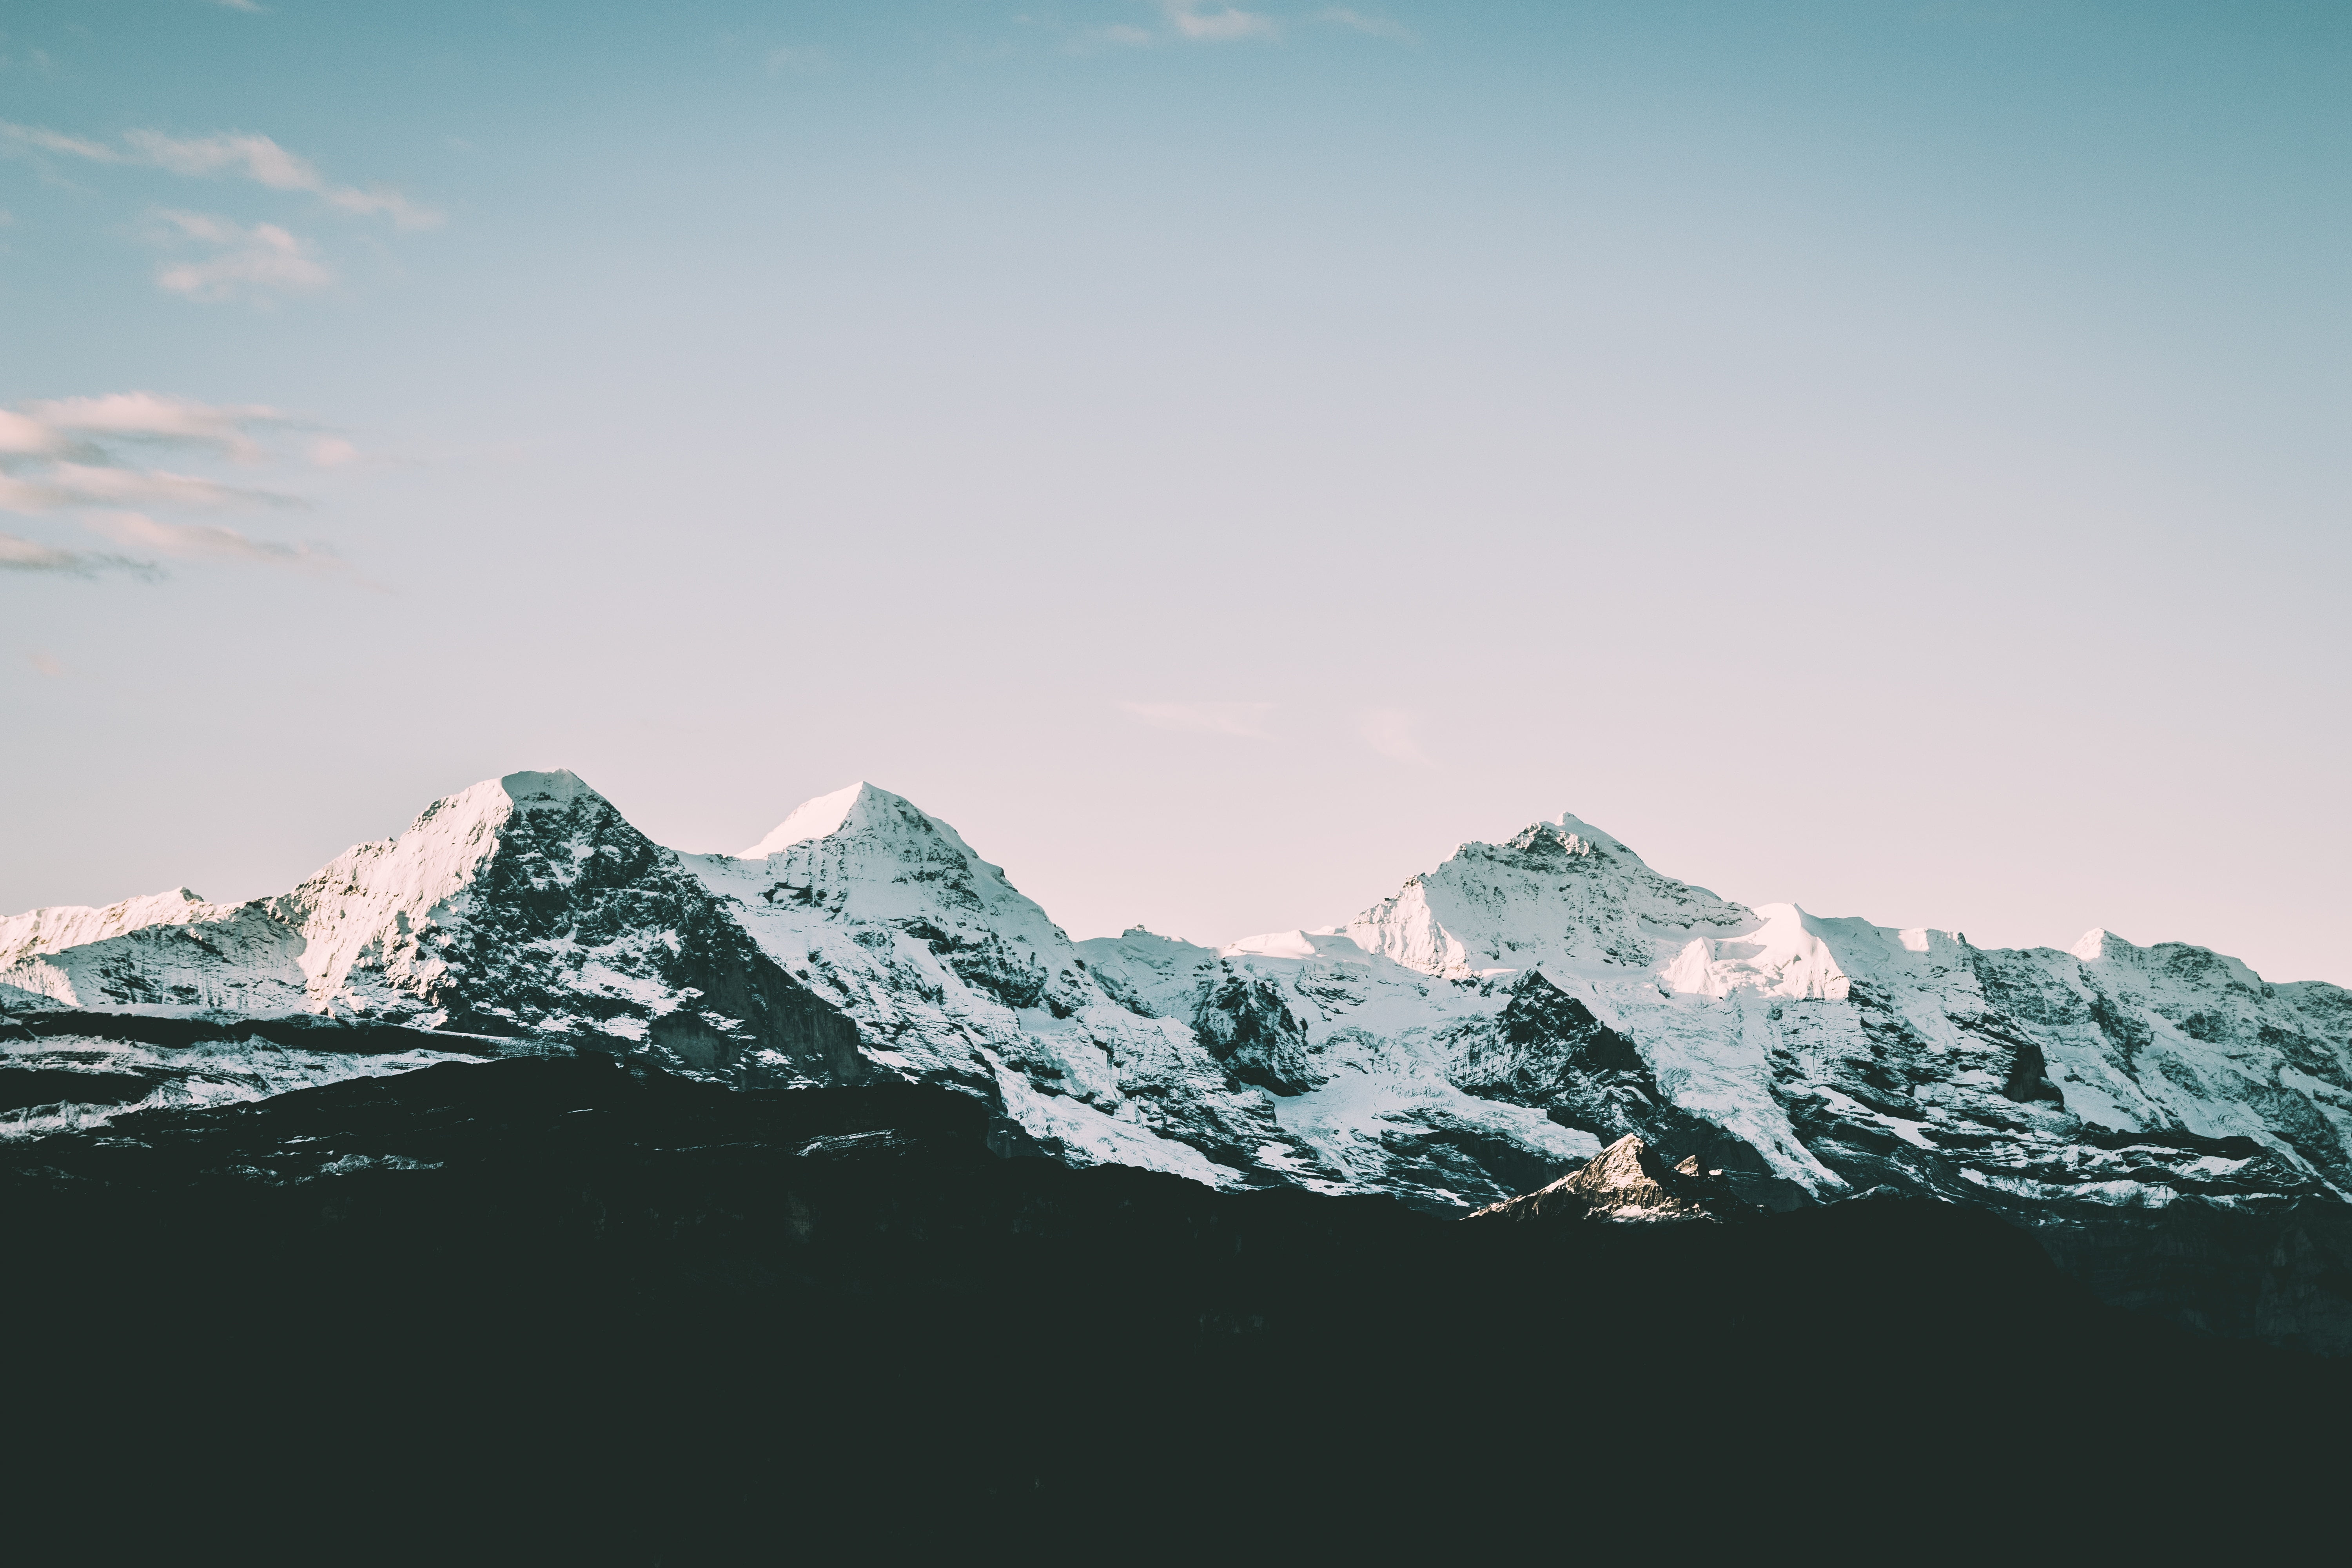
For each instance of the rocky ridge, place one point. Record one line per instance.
(1483, 1033)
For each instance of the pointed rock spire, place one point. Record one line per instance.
(1627, 1181)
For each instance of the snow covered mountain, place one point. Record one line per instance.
(1806, 1057)
(1482, 1033)
(521, 914)
(951, 975)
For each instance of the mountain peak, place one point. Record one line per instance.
(2097, 943)
(1568, 834)
(1626, 1181)
(561, 785)
(1561, 893)
(824, 816)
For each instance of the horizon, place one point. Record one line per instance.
(1224, 454)
(1216, 941)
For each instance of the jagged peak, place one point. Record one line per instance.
(1619, 1164)
(1569, 834)
(1561, 891)
(1564, 836)
(859, 805)
(867, 834)
(492, 800)
(1626, 1181)
(2097, 943)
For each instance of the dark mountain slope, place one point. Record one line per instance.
(564, 1306)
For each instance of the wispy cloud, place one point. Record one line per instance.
(22, 436)
(46, 141)
(241, 153)
(246, 6)
(70, 454)
(1388, 732)
(228, 428)
(80, 484)
(200, 540)
(1243, 718)
(1185, 21)
(1356, 21)
(118, 487)
(262, 259)
(48, 665)
(20, 555)
(1224, 23)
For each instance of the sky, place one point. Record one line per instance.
(1887, 456)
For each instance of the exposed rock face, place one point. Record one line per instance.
(1245, 1025)
(1627, 1182)
(524, 907)
(1547, 1049)
(951, 975)
(1484, 1032)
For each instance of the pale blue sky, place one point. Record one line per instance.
(1888, 457)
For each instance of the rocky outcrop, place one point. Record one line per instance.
(1627, 1182)
(1245, 1023)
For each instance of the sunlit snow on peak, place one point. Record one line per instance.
(59, 927)
(818, 818)
(2093, 945)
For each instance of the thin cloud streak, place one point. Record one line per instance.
(118, 486)
(244, 154)
(1183, 21)
(263, 259)
(79, 484)
(152, 417)
(54, 456)
(200, 542)
(21, 555)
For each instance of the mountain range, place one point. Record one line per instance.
(2176, 1130)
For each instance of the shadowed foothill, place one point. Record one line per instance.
(574, 1300)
